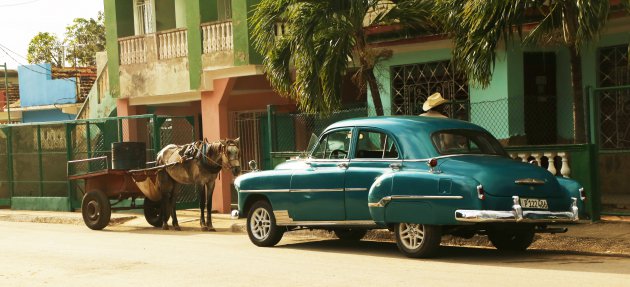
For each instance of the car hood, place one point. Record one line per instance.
(499, 175)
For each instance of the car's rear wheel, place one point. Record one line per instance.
(417, 240)
(350, 234)
(512, 240)
(261, 225)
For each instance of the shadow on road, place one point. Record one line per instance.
(536, 259)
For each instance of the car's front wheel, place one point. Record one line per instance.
(417, 240)
(512, 240)
(261, 225)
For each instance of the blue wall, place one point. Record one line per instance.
(45, 116)
(37, 88)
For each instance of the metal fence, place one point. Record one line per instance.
(610, 132)
(291, 133)
(33, 157)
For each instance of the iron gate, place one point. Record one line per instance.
(610, 129)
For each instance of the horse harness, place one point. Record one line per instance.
(199, 150)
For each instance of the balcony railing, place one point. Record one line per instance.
(556, 162)
(172, 44)
(133, 50)
(217, 36)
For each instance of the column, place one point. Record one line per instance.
(214, 114)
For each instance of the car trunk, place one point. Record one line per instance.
(499, 176)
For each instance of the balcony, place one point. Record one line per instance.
(154, 64)
(218, 45)
(163, 45)
(217, 36)
(172, 43)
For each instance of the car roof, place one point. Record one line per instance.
(411, 132)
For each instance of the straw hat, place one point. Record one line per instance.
(433, 101)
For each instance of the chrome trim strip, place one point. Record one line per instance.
(317, 190)
(326, 160)
(447, 156)
(385, 200)
(530, 181)
(302, 190)
(392, 160)
(327, 223)
(263, 190)
(517, 214)
(356, 189)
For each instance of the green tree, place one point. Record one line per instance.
(45, 48)
(477, 27)
(326, 40)
(85, 37)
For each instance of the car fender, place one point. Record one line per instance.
(272, 185)
(572, 189)
(421, 197)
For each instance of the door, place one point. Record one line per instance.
(375, 153)
(539, 70)
(317, 192)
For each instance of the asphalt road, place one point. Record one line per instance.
(33, 254)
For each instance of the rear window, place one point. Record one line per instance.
(466, 142)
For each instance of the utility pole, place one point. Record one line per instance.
(6, 93)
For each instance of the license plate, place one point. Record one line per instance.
(534, 203)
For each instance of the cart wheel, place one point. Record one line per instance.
(96, 210)
(153, 212)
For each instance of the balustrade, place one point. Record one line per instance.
(172, 44)
(217, 36)
(556, 162)
(133, 50)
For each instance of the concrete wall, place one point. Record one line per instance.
(100, 105)
(37, 88)
(46, 116)
(154, 78)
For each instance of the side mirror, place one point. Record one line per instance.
(253, 165)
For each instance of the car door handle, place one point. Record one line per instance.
(343, 165)
(395, 166)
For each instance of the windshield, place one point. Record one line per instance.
(466, 142)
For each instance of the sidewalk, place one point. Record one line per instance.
(609, 236)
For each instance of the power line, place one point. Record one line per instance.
(2, 47)
(23, 57)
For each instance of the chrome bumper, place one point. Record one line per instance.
(235, 214)
(518, 215)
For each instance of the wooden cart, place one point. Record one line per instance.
(105, 185)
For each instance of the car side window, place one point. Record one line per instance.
(372, 144)
(334, 145)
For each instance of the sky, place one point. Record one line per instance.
(21, 20)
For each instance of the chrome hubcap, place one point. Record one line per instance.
(93, 210)
(411, 235)
(260, 224)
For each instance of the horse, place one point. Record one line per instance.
(195, 163)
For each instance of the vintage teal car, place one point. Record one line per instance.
(417, 176)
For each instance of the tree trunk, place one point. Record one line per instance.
(376, 93)
(578, 98)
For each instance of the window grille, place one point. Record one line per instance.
(412, 84)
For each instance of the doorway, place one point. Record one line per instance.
(539, 72)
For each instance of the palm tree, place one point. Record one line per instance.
(326, 40)
(478, 26)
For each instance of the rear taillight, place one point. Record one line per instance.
(481, 194)
(582, 194)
